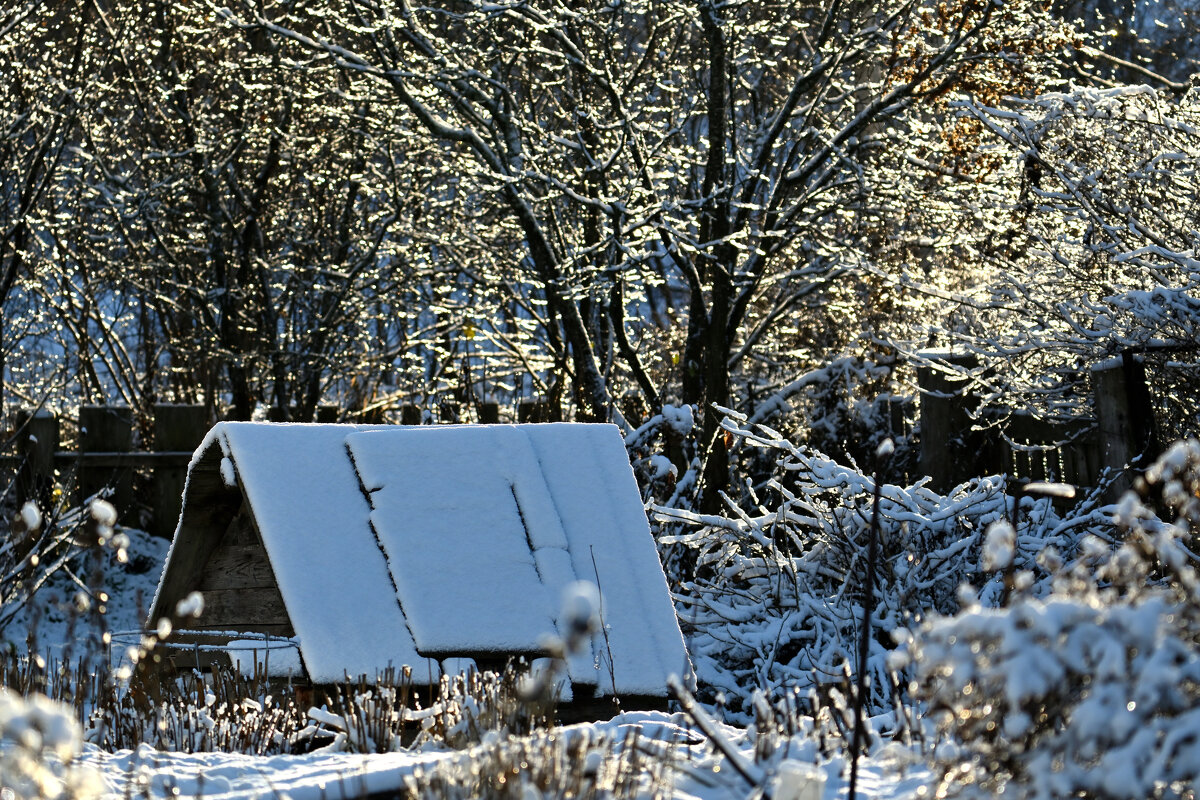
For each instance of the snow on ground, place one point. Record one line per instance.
(319, 776)
(694, 772)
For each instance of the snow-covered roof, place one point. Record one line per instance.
(394, 545)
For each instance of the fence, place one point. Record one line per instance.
(954, 446)
(959, 441)
(104, 459)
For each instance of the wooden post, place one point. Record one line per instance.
(533, 411)
(489, 413)
(372, 416)
(176, 428)
(410, 415)
(949, 451)
(38, 442)
(328, 413)
(106, 429)
(448, 413)
(1124, 416)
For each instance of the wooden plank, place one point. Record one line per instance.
(234, 609)
(274, 629)
(37, 441)
(950, 450)
(182, 659)
(1054, 464)
(1020, 464)
(134, 459)
(484, 659)
(237, 567)
(534, 411)
(177, 428)
(1118, 442)
(489, 413)
(106, 429)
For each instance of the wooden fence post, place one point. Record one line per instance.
(176, 428)
(534, 411)
(949, 451)
(489, 413)
(1124, 416)
(106, 429)
(37, 446)
(370, 416)
(410, 415)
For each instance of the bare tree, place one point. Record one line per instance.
(706, 157)
(44, 58)
(233, 220)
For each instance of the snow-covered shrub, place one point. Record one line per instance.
(853, 410)
(773, 599)
(225, 711)
(476, 706)
(662, 450)
(39, 742)
(571, 762)
(1093, 690)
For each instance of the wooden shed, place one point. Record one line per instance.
(331, 550)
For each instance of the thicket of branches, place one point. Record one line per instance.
(611, 208)
(733, 229)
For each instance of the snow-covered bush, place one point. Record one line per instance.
(771, 596)
(39, 742)
(1094, 689)
(571, 762)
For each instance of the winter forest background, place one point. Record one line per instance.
(745, 232)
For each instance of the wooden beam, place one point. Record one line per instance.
(111, 458)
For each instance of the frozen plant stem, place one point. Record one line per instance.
(882, 454)
(749, 773)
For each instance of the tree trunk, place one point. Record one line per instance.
(718, 265)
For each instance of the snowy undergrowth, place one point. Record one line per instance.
(1094, 689)
(580, 761)
(40, 745)
(770, 595)
(58, 620)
